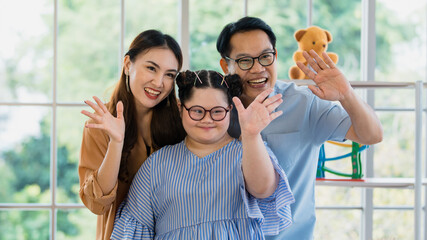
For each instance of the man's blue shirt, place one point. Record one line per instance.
(295, 138)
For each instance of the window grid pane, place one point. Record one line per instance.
(207, 18)
(28, 79)
(26, 56)
(87, 50)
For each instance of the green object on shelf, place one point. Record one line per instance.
(356, 162)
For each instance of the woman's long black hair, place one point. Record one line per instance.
(166, 126)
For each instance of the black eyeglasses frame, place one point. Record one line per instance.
(204, 112)
(253, 60)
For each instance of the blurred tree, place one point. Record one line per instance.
(24, 225)
(29, 182)
(33, 156)
(343, 19)
(87, 49)
(207, 18)
(88, 53)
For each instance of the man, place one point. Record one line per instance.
(309, 118)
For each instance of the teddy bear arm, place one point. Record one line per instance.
(298, 57)
(333, 57)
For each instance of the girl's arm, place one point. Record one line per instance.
(258, 171)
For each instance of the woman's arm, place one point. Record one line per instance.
(115, 128)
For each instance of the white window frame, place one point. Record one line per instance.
(367, 72)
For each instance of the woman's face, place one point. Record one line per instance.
(206, 130)
(151, 76)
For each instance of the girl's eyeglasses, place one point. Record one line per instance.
(197, 112)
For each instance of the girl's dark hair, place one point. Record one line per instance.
(231, 85)
(166, 126)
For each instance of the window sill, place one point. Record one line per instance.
(370, 182)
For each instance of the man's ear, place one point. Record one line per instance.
(224, 65)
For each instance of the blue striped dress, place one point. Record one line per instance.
(177, 195)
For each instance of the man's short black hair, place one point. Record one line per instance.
(242, 25)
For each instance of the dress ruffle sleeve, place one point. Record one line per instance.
(135, 216)
(273, 212)
(126, 226)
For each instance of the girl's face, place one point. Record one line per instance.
(206, 130)
(151, 76)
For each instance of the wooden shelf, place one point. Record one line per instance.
(371, 182)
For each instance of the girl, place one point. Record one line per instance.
(210, 186)
(141, 116)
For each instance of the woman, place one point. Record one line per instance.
(210, 186)
(141, 117)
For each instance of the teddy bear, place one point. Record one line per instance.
(314, 38)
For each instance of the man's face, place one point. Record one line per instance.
(258, 78)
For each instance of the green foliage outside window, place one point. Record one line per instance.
(88, 49)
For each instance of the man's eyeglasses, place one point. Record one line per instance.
(197, 112)
(246, 63)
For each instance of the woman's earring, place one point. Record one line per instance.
(168, 102)
(127, 83)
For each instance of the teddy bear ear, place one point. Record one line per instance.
(328, 36)
(298, 35)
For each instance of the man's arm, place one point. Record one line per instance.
(332, 85)
(366, 127)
